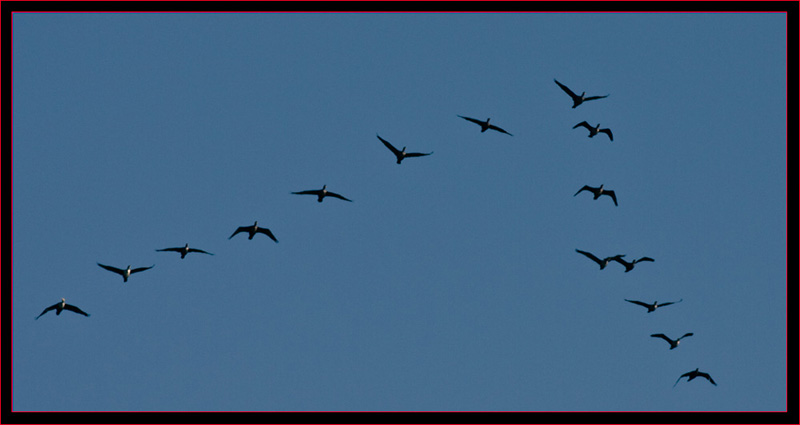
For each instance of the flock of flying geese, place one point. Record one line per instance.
(253, 229)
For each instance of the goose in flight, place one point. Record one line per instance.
(629, 266)
(597, 191)
(401, 154)
(577, 100)
(125, 273)
(62, 305)
(321, 193)
(694, 374)
(593, 131)
(672, 344)
(252, 230)
(185, 250)
(603, 263)
(485, 125)
(652, 307)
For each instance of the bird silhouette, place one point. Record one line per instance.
(593, 131)
(321, 194)
(62, 305)
(125, 273)
(672, 343)
(603, 263)
(652, 307)
(252, 230)
(694, 374)
(185, 250)
(485, 125)
(597, 191)
(629, 266)
(401, 154)
(577, 100)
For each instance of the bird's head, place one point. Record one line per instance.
(324, 186)
(186, 246)
(404, 149)
(583, 95)
(255, 224)
(62, 300)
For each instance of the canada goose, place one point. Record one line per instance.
(594, 130)
(577, 100)
(485, 125)
(603, 263)
(321, 193)
(652, 307)
(125, 273)
(252, 230)
(62, 305)
(185, 250)
(672, 344)
(629, 266)
(597, 191)
(401, 154)
(694, 374)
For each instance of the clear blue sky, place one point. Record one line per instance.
(451, 282)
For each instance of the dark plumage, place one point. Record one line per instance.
(603, 263)
(629, 266)
(62, 305)
(672, 343)
(694, 374)
(577, 100)
(485, 125)
(252, 230)
(597, 191)
(652, 307)
(401, 154)
(593, 131)
(185, 250)
(321, 194)
(125, 273)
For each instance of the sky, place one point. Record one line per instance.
(451, 282)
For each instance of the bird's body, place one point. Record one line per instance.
(598, 191)
(321, 194)
(594, 131)
(125, 273)
(694, 374)
(252, 230)
(604, 262)
(401, 154)
(673, 344)
(629, 266)
(185, 250)
(577, 100)
(62, 305)
(485, 125)
(652, 307)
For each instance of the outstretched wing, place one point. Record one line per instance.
(172, 249)
(268, 232)
(594, 97)
(308, 192)
(671, 302)
(566, 89)
(389, 145)
(75, 309)
(685, 335)
(199, 250)
(141, 269)
(480, 123)
(112, 269)
(707, 376)
(238, 230)
(336, 195)
(583, 124)
(612, 195)
(585, 187)
(645, 259)
(494, 127)
(607, 131)
(412, 154)
(679, 378)
(662, 336)
(640, 303)
(590, 255)
(48, 309)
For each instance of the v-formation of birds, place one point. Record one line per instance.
(400, 155)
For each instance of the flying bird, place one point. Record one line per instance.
(629, 266)
(652, 307)
(401, 154)
(603, 263)
(185, 250)
(485, 125)
(593, 131)
(694, 374)
(321, 193)
(577, 100)
(672, 343)
(62, 305)
(597, 191)
(125, 273)
(252, 230)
